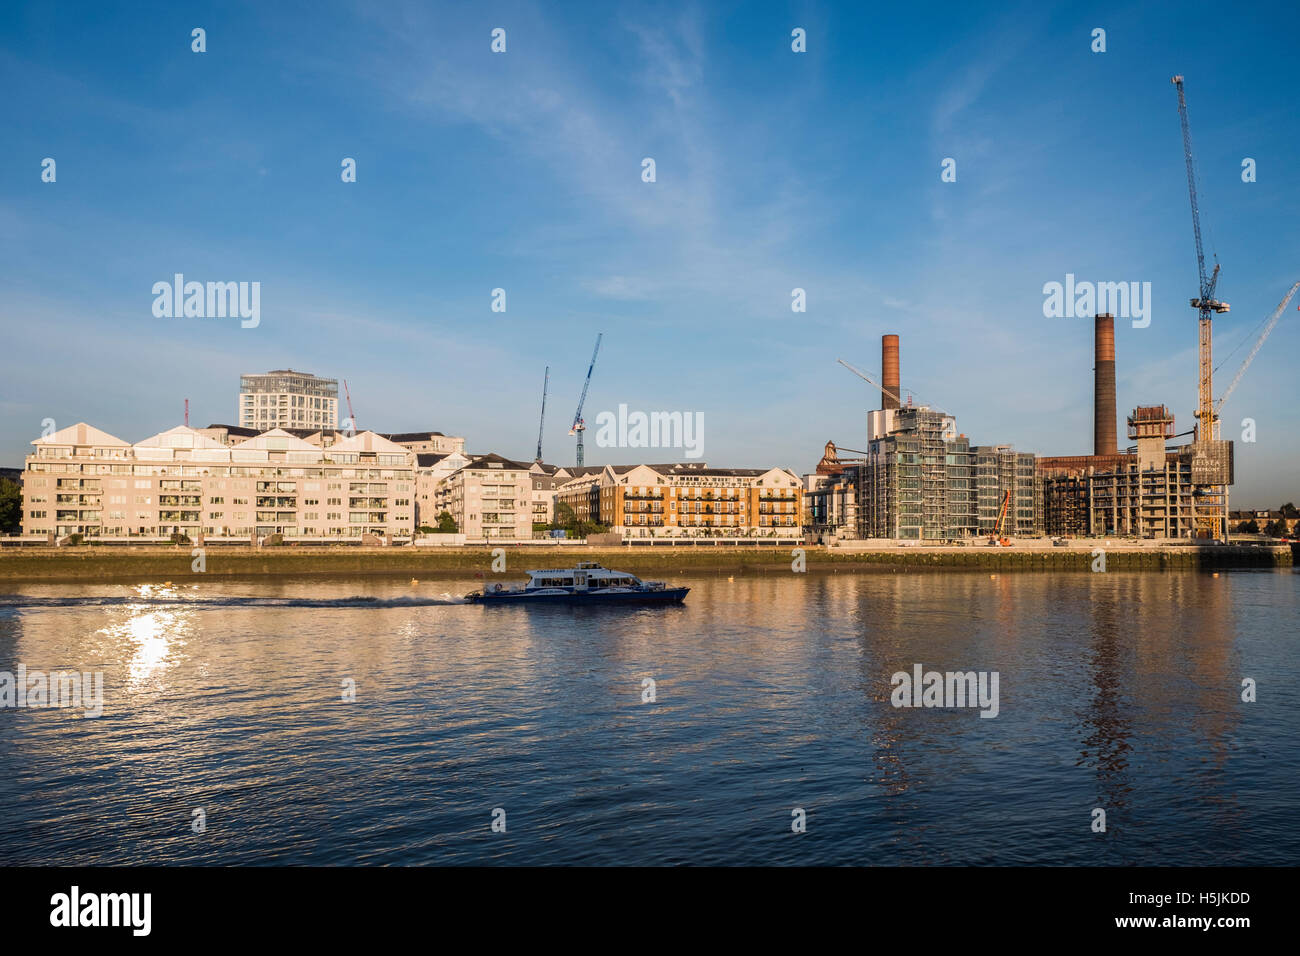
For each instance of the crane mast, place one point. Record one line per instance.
(1205, 304)
(579, 426)
(546, 380)
(352, 419)
(1211, 462)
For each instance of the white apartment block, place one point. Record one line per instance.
(546, 480)
(431, 471)
(489, 498)
(284, 398)
(81, 480)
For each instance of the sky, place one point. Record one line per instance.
(523, 171)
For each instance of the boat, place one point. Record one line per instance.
(588, 583)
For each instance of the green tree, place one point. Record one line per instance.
(446, 523)
(11, 507)
(564, 517)
(584, 528)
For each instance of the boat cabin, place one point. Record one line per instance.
(587, 574)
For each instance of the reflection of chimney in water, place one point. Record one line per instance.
(1104, 440)
(889, 370)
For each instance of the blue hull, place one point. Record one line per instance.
(666, 596)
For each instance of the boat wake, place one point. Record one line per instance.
(229, 601)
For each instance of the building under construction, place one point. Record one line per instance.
(1147, 491)
(918, 479)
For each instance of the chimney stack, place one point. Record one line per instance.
(889, 370)
(1104, 440)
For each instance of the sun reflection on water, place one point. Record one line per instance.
(150, 636)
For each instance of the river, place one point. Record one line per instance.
(225, 736)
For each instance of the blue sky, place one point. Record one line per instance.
(522, 171)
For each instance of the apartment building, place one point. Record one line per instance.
(1001, 476)
(490, 498)
(546, 481)
(922, 480)
(917, 481)
(687, 499)
(429, 443)
(81, 480)
(431, 470)
(283, 398)
(1149, 494)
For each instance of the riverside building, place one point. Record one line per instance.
(687, 499)
(81, 480)
(284, 398)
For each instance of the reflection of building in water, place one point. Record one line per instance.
(1107, 722)
(1161, 677)
(1211, 646)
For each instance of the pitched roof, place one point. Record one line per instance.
(182, 436)
(237, 431)
(82, 434)
(369, 441)
(491, 458)
(413, 436)
(277, 439)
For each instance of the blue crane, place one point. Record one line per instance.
(546, 380)
(579, 426)
(1205, 304)
(1211, 468)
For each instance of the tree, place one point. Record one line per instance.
(446, 523)
(564, 518)
(11, 507)
(1289, 510)
(1249, 527)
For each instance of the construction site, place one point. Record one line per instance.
(919, 480)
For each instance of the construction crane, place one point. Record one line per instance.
(997, 537)
(1205, 304)
(352, 419)
(870, 381)
(546, 379)
(579, 426)
(1210, 462)
(1259, 343)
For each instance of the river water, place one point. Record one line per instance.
(223, 704)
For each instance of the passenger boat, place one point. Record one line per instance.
(588, 583)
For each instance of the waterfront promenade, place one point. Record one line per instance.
(90, 563)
